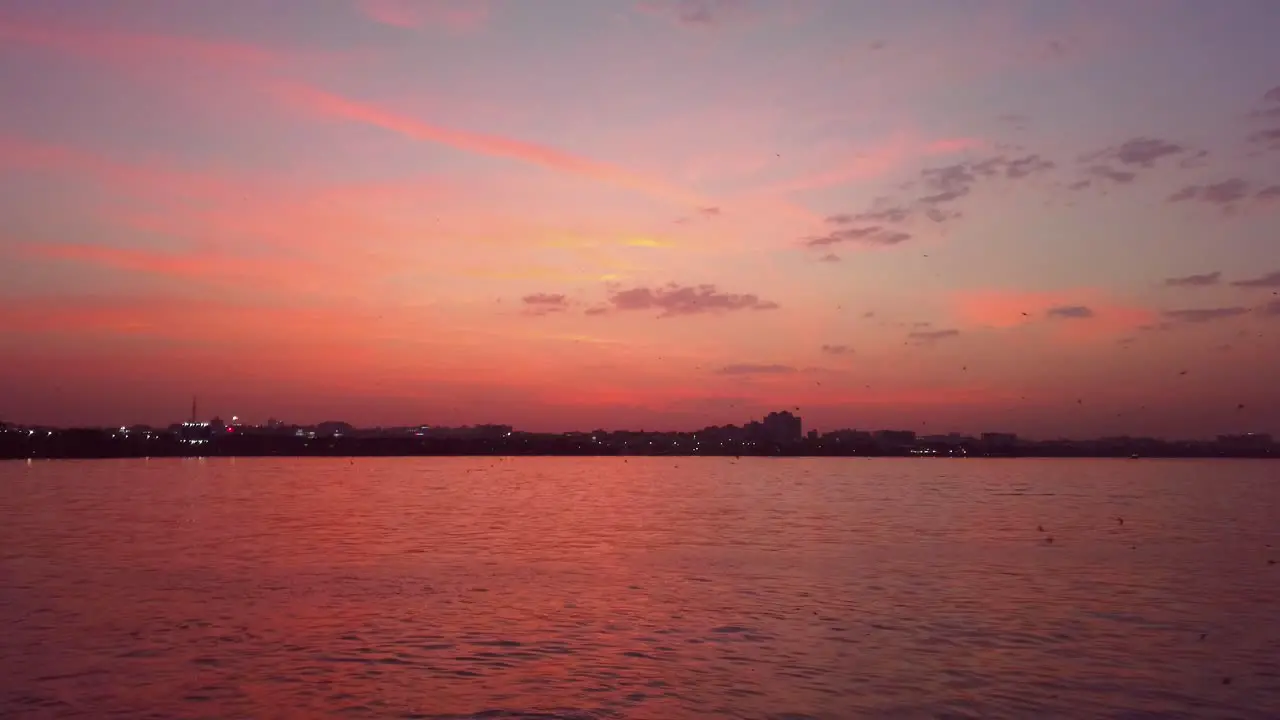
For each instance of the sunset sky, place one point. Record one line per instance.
(1045, 217)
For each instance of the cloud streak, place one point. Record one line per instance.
(755, 369)
(325, 104)
(924, 337)
(260, 68)
(1270, 280)
(870, 236)
(1205, 315)
(673, 300)
(1225, 195)
(1070, 312)
(453, 15)
(1201, 280)
(539, 304)
(1141, 152)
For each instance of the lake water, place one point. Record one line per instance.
(662, 588)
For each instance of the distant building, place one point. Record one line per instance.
(1247, 441)
(948, 440)
(333, 428)
(849, 437)
(999, 440)
(783, 428)
(895, 438)
(478, 432)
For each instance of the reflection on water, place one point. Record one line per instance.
(655, 588)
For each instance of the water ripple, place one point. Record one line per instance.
(591, 589)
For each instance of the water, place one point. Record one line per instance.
(663, 588)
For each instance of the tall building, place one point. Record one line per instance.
(783, 428)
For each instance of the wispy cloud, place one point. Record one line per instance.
(1140, 152)
(1267, 139)
(1107, 317)
(704, 13)
(1270, 280)
(675, 300)
(259, 68)
(1201, 280)
(1104, 173)
(871, 162)
(220, 269)
(949, 183)
(755, 369)
(1070, 312)
(123, 176)
(1204, 315)
(335, 106)
(141, 50)
(1225, 195)
(872, 235)
(706, 212)
(1269, 106)
(539, 304)
(923, 337)
(837, 349)
(454, 15)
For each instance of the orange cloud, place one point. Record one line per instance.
(1082, 314)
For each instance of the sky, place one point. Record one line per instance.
(1032, 216)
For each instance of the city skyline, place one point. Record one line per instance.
(1056, 220)
(769, 424)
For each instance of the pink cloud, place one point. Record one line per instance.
(32, 155)
(325, 104)
(453, 15)
(151, 51)
(136, 48)
(877, 161)
(274, 273)
(948, 146)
